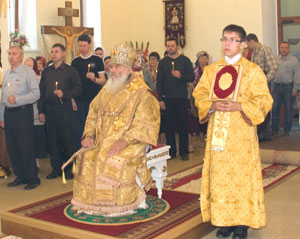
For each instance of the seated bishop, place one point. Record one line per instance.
(111, 172)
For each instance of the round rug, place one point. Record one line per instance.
(155, 208)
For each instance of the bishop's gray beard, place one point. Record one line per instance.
(115, 83)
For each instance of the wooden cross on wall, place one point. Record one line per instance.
(68, 31)
(68, 12)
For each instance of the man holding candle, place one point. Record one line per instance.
(91, 72)
(174, 72)
(59, 84)
(19, 91)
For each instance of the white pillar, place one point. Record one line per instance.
(4, 42)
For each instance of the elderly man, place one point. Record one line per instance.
(19, 91)
(123, 118)
(233, 96)
(285, 87)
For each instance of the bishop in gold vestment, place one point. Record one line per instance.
(232, 191)
(120, 125)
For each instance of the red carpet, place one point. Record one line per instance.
(182, 207)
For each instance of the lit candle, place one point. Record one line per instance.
(8, 87)
(172, 65)
(89, 67)
(56, 83)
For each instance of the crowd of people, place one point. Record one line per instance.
(104, 108)
(171, 79)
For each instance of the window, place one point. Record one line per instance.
(22, 16)
(12, 16)
(289, 23)
(27, 21)
(92, 18)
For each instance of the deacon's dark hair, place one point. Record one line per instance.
(252, 36)
(238, 29)
(84, 37)
(61, 46)
(107, 57)
(172, 39)
(154, 54)
(99, 48)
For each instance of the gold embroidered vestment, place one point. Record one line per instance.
(231, 191)
(105, 185)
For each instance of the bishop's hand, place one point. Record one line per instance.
(117, 147)
(87, 142)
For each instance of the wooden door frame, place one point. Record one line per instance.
(284, 20)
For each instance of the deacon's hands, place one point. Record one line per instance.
(247, 120)
(58, 93)
(176, 73)
(87, 142)
(117, 147)
(226, 106)
(2, 124)
(162, 105)
(11, 99)
(42, 118)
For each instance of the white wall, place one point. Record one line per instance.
(4, 42)
(143, 20)
(269, 25)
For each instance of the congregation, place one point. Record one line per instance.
(55, 97)
(110, 107)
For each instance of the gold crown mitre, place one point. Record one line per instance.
(122, 54)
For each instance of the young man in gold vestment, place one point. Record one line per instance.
(233, 96)
(123, 118)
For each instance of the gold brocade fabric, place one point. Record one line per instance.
(220, 129)
(105, 185)
(232, 190)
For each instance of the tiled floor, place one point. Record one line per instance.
(282, 202)
(283, 212)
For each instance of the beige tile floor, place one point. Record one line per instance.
(282, 202)
(283, 212)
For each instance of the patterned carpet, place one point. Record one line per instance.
(190, 180)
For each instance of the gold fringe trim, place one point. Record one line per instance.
(63, 177)
(106, 210)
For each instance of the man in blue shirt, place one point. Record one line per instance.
(19, 91)
(285, 87)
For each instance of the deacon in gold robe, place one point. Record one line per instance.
(123, 118)
(234, 97)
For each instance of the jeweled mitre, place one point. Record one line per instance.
(122, 54)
